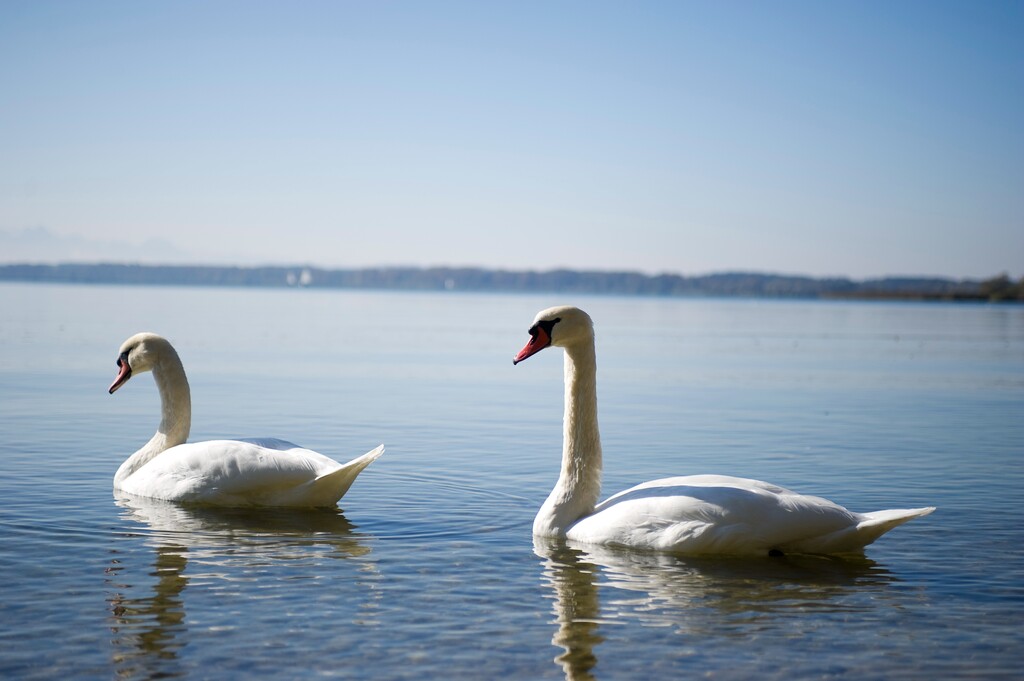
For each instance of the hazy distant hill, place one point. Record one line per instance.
(39, 244)
(554, 281)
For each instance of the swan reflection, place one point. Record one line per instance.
(221, 548)
(595, 586)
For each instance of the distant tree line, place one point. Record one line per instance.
(997, 289)
(1002, 288)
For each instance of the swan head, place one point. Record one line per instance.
(141, 352)
(561, 326)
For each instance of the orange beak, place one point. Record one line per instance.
(122, 376)
(538, 341)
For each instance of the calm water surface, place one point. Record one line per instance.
(428, 569)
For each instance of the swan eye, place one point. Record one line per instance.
(122, 359)
(547, 325)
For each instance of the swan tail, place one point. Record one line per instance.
(331, 487)
(878, 523)
(854, 538)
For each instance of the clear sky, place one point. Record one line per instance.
(858, 138)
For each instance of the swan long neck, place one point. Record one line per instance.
(175, 418)
(579, 485)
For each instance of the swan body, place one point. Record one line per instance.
(696, 514)
(246, 472)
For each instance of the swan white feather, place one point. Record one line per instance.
(696, 514)
(244, 472)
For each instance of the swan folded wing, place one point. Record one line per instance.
(853, 538)
(240, 472)
(710, 514)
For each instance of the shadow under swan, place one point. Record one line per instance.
(146, 581)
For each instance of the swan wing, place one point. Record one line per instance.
(712, 514)
(854, 538)
(264, 472)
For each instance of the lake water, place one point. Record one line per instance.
(429, 569)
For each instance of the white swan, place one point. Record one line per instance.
(696, 514)
(249, 472)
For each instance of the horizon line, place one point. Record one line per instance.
(511, 270)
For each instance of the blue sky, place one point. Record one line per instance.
(822, 138)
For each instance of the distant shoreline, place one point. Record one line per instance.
(727, 284)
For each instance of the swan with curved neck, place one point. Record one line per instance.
(696, 514)
(247, 472)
